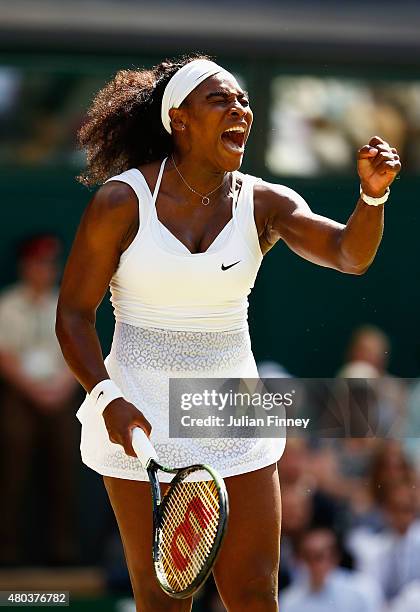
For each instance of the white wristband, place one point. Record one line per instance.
(103, 394)
(374, 201)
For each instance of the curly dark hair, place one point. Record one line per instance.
(124, 128)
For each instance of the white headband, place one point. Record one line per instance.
(182, 84)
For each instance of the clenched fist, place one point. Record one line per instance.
(377, 164)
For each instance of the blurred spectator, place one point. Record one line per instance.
(296, 518)
(342, 468)
(323, 587)
(389, 466)
(10, 79)
(392, 557)
(368, 344)
(378, 411)
(377, 114)
(316, 122)
(297, 471)
(304, 504)
(37, 405)
(368, 357)
(411, 430)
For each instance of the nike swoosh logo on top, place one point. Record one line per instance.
(230, 266)
(101, 393)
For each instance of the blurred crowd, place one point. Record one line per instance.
(350, 543)
(351, 506)
(38, 434)
(316, 123)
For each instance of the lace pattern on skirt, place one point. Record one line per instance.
(176, 351)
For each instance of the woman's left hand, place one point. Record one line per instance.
(377, 164)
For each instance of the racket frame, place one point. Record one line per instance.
(159, 502)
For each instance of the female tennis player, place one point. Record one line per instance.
(178, 233)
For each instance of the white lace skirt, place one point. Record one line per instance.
(141, 362)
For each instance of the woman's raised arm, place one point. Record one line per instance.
(349, 248)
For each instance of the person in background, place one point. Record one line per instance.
(297, 471)
(296, 518)
(367, 356)
(390, 465)
(393, 557)
(323, 586)
(411, 429)
(36, 405)
(368, 345)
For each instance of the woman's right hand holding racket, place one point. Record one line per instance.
(121, 417)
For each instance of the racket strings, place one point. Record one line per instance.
(188, 530)
(190, 547)
(192, 530)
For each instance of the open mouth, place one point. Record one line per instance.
(234, 139)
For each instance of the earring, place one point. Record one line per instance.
(182, 127)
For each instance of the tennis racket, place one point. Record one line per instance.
(189, 521)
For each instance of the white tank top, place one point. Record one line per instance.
(160, 283)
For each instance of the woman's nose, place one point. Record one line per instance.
(237, 110)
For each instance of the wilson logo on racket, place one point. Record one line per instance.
(189, 520)
(186, 531)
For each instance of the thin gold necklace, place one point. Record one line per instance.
(205, 199)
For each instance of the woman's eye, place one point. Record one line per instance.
(223, 100)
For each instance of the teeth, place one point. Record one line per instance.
(236, 129)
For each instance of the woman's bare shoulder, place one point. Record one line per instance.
(114, 201)
(273, 200)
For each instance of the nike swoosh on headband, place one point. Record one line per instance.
(230, 266)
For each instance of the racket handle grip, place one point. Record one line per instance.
(143, 447)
